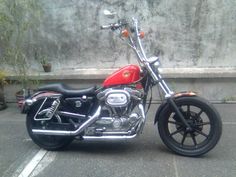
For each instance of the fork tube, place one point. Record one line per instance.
(157, 78)
(163, 84)
(180, 115)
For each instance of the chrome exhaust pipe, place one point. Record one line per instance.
(109, 137)
(91, 120)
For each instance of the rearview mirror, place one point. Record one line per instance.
(109, 14)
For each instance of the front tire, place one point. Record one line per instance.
(48, 142)
(202, 117)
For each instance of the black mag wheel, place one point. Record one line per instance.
(48, 142)
(205, 123)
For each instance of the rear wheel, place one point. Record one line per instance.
(201, 116)
(48, 142)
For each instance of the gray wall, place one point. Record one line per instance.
(186, 33)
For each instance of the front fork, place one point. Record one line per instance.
(168, 94)
(179, 114)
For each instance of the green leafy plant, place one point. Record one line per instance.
(43, 59)
(2, 78)
(18, 20)
(2, 83)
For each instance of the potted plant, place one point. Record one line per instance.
(18, 20)
(3, 104)
(46, 65)
(20, 66)
(42, 59)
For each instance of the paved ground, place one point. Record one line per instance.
(144, 156)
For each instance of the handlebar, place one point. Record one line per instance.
(115, 26)
(105, 26)
(134, 40)
(112, 26)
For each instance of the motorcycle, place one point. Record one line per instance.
(57, 114)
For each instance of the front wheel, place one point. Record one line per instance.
(201, 116)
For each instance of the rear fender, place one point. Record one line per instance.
(175, 96)
(28, 103)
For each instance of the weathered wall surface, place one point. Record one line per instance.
(192, 33)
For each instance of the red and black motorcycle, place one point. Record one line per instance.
(187, 124)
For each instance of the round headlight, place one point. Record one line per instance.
(157, 63)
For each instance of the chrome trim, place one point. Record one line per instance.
(58, 118)
(165, 85)
(105, 121)
(161, 82)
(142, 122)
(29, 102)
(146, 62)
(74, 115)
(39, 110)
(51, 132)
(117, 92)
(50, 111)
(140, 106)
(153, 60)
(91, 120)
(53, 108)
(118, 137)
(54, 96)
(116, 133)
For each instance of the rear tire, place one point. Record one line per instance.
(48, 142)
(202, 117)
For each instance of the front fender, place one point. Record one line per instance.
(28, 103)
(175, 96)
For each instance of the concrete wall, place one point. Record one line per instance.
(210, 83)
(185, 33)
(215, 90)
(192, 33)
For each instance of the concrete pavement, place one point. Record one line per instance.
(144, 156)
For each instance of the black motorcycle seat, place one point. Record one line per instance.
(67, 91)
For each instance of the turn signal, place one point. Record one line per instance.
(141, 34)
(125, 33)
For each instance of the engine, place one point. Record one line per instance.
(120, 111)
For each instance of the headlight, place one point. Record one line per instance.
(157, 63)
(154, 61)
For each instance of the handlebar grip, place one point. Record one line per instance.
(105, 26)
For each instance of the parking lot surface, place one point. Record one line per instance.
(143, 156)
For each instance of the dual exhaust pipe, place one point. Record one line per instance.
(76, 132)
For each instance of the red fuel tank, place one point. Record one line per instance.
(124, 76)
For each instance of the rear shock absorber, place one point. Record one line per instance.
(53, 108)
